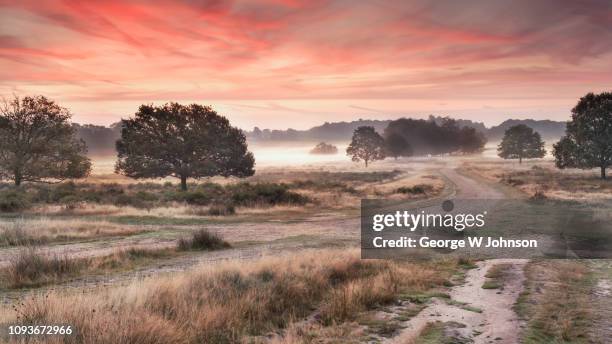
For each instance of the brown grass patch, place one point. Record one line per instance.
(230, 303)
(31, 268)
(556, 302)
(543, 179)
(202, 240)
(45, 230)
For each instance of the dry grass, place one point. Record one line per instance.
(31, 268)
(46, 230)
(496, 276)
(202, 240)
(544, 180)
(556, 303)
(230, 303)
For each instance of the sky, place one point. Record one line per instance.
(298, 63)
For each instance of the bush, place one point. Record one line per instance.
(13, 201)
(264, 193)
(221, 209)
(202, 240)
(195, 197)
(415, 190)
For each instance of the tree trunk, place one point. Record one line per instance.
(17, 179)
(184, 183)
(366, 162)
(520, 159)
(603, 172)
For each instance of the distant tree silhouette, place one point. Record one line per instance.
(324, 148)
(470, 140)
(396, 145)
(521, 142)
(183, 142)
(366, 145)
(588, 137)
(38, 143)
(439, 135)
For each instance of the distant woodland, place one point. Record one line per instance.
(101, 140)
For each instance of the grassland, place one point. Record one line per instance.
(322, 290)
(315, 289)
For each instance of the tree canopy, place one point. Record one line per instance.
(181, 141)
(396, 145)
(324, 148)
(588, 137)
(521, 142)
(38, 143)
(406, 136)
(366, 145)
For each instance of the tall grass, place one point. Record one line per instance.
(31, 267)
(202, 240)
(556, 302)
(232, 303)
(30, 232)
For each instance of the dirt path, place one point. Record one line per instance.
(486, 315)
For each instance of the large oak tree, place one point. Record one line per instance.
(38, 142)
(588, 136)
(183, 142)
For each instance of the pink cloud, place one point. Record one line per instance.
(106, 51)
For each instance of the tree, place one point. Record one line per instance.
(471, 140)
(588, 136)
(439, 135)
(521, 142)
(38, 143)
(396, 145)
(183, 142)
(324, 148)
(366, 145)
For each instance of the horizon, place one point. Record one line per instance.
(295, 64)
(362, 119)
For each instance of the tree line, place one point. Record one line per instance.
(406, 137)
(39, 144)
(587, 142)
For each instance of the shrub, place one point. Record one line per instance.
(13, 201)
(194, 197)
(415, 190)
(264, 193)
(221, 209)
(202, 240)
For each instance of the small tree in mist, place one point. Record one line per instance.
(183, 142)
(38, 143)
(588, 136)
(521, 142)
(396, 145)
(366, 145)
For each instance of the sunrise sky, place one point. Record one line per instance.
(294, 63)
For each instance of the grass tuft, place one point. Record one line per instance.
(202, 240)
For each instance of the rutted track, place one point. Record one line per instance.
(497, 322)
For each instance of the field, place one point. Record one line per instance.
(274, 259)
